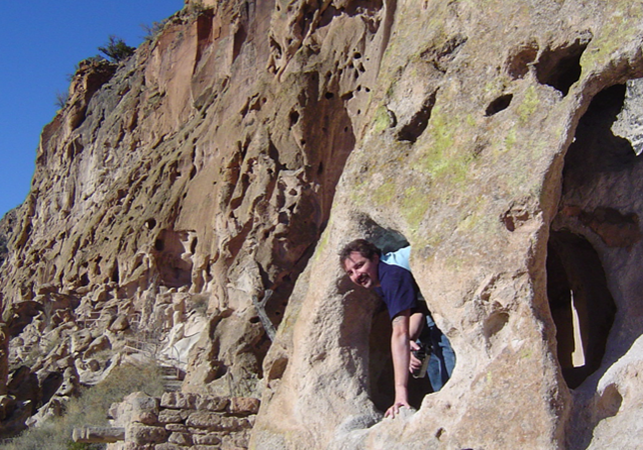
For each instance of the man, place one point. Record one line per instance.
(391, 278)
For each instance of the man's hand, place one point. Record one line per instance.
(414, 364)
(395, 409)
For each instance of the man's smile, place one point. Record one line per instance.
(363, 280)
(361, 270)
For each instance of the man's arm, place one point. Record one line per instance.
(416, 323)
(400, 351)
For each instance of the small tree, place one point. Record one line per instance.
(153, 30)
(61, 99)
(116, 49)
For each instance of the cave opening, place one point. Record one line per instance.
(560, 67)
(380, 363)
(581, 304)
(172, 251)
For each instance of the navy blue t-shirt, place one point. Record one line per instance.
(397, 288)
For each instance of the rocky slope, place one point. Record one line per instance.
(189, 198)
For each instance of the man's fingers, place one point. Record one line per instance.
(414, 363)
(395, 409)
(414, 345)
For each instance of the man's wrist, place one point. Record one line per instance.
(401, 393)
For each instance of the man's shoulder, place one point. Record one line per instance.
(399, 258)
(389, 273)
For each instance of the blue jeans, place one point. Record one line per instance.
(442, 358)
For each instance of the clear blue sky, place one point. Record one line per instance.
(41, 41)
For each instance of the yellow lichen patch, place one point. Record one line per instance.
(446, 161)
(385, 193)
(469, 222)
(414, 205)
(529, 105)
(619, 27)
(381, 120)
(510, 139)
(442, 138)
(357, 193)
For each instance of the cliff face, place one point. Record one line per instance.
(216, 173)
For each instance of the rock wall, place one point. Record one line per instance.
(220, 169)
(176, 421)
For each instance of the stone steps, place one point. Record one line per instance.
(172, 378)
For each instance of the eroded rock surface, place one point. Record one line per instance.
(227, 161)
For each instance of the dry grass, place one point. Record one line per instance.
(90, 409)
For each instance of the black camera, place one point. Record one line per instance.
(423, 354)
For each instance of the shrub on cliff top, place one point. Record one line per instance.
(116, 49)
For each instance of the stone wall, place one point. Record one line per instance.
(176, 421)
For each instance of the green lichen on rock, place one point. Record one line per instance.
(385, 193)
(442, 138)
(381, 120)
(620, 27)
(415, 204)
(529, 105)
(446, 162)
(357, 193)
(511, 139)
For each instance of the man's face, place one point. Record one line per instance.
(362, 271)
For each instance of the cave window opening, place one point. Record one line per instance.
(581, 305)
(560, 68)
(380, 364)
(498, 105)
(171, 255)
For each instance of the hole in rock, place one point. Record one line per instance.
(596, 149)
(414, 128)
(294, 117)
(239, 38)
(495, 323)
(518, 63)
(50, 385)
(380, 365)
(174, 270)
(115, 274)
(499, 104)
(581, 304)
(560, 67)
(277, 369)
(610, 402)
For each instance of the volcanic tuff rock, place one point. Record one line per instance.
(224, 165)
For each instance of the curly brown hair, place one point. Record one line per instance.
(362, 246)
